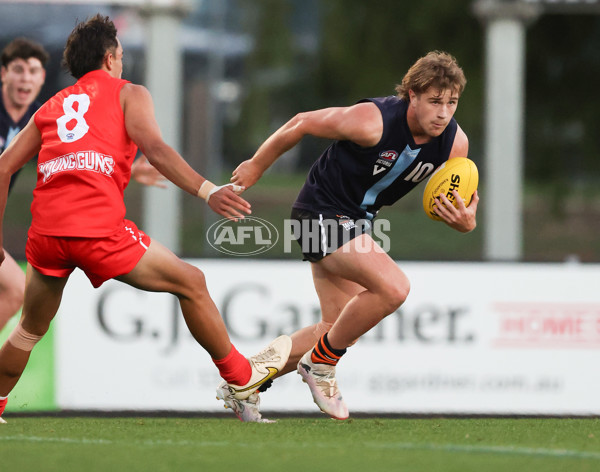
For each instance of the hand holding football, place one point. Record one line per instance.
(458, 173)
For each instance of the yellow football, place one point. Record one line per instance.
(458, 173)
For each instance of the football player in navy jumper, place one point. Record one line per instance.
(383, 147)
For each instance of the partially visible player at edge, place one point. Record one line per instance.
(23, 74)
(383, 148)
(86, 138)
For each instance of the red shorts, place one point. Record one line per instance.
(100, 258)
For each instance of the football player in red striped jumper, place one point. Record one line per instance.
(23, 74)
(86, 138)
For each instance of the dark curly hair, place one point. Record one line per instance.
(87, 45)
(23, 48)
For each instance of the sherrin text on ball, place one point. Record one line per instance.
(458, 173)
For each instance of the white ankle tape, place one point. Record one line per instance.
(23, 340)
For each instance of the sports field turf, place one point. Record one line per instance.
(45, 444)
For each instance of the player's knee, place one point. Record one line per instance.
(12, 300)
(195, 286)
(395, 295)
(14, 304)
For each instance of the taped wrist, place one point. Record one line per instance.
(212, 188)
(23, 340)
(205, 189)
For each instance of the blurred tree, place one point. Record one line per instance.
(563, 64)
(268, 75)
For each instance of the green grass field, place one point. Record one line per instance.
(299, 444)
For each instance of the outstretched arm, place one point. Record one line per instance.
(143, 129)
(361, 123)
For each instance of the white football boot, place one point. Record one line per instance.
(2, 421)
(247, 410)
(265, 365)
(323, 386)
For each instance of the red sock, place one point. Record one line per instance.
(3, 402)
(234, 367)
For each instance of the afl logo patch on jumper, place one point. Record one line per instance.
(385, 161)
(389, 155)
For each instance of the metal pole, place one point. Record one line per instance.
(214, 117)
(504, 143)
(504, 108)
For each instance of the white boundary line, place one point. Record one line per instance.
(452, 448)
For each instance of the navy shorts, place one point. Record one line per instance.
(321, 234)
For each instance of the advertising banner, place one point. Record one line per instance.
(471, 338)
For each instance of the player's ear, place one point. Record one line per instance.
(412, 96)
(108, 60)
